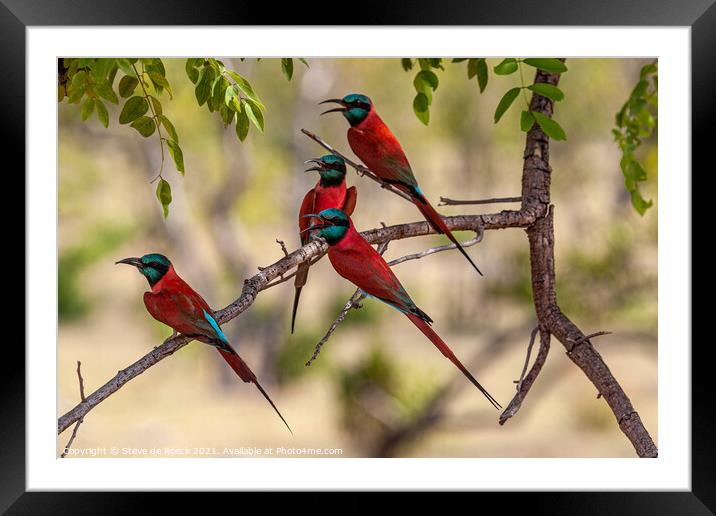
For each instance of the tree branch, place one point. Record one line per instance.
(79, 421)
(536, 177)
(525, 382)
(263, 279)
(445, 201)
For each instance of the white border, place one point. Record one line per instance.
(670, 471)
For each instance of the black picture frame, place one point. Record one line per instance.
(700, 15)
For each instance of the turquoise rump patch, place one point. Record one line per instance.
(215, 326)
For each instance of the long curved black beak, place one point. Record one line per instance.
(335, 101)
(314, 226)
(137, 262)
(317, 161)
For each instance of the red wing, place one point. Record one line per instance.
(307, 206)
(366, 268)
(351, 199)
(381, 152)
(183, 311)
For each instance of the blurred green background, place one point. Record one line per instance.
(379, 388)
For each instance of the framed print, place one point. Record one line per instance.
(451, 257)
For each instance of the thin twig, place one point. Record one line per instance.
(585, 338)
(468, 243)
(446, 201)
(155, 118)
(79, 421)
(527, 358)
(361, 169)
(353, 302)
(526, 381)
(283, 246)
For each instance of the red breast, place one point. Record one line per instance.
(373, 142)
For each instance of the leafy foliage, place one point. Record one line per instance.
(89, 81)
(426, 82)
(635, 121)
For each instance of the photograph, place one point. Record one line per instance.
(357, 257)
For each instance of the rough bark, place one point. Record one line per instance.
(536, 203)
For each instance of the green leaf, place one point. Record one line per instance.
(406, 63)
(459, 59)
(426, 82)
(169, 127)
(231, 99)
(156, 66)
(229, 94)
(126, 66)
(87, 109)
(102, 112)
(506, 67)
(106, 92)
(159, 80)
(471, 68)
(420, 106)
(304, 62)
(61, 92)
(526, 121)
(647, 70)
(547, 90)
(144, 126)
(549, 126)
(506, 101)
(191, 70)
(203, 87)
(177, 154)
(79, 80)
(242, 125)
(254, 113)
(639, 203)
(133, 109)
(436, 62)
(244, 86)
(287, 67)
(424, 63)
(548, 64)
(218, 90)
(127, 85)
(482, 74)
(100, 67)
(156, 104)
(112, 73)
(227, 115)
(164, 194)
(75, 95)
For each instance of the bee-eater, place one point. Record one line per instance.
(355, 259)
(330, 192)
(377, 147)
(173, 302)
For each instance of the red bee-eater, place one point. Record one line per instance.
(377, 147)
(355, 259)
(330, 192)
(173, 302)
